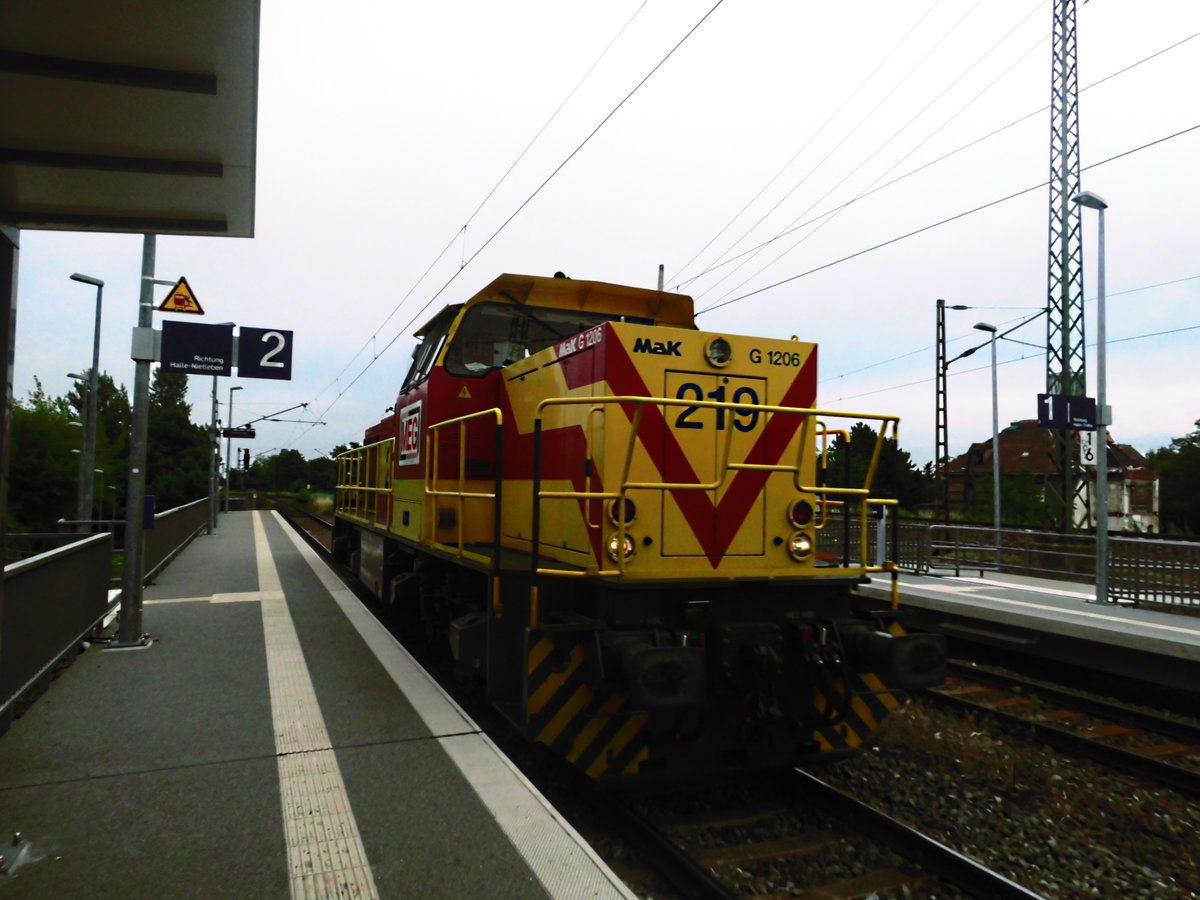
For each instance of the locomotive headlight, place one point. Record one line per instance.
(800, 546)
(619, 546)
(718, 352)
(614, 511)
(800, 513)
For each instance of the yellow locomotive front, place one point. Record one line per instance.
(670, 455)
(641, 582)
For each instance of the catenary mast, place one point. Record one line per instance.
(1065, 353)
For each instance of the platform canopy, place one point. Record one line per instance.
(137, 116)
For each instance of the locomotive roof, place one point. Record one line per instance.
(568, 293)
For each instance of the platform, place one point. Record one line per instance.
(1055, 620)
(273, 741)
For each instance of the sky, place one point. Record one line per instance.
(887, 153)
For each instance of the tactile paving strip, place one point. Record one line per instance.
(325, 851)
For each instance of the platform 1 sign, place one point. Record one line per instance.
(1063, 411)
(197, 349)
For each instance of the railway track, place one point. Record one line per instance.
(804, 838)
(315, 529)
(1141, 743)
(794, 835)
(805, 820)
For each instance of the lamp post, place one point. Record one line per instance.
(100, 472)
(93, 390)
(229, 444)
(991, 329)
(1094, 201)
(214, 453)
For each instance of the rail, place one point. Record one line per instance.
(1141, 569)
(459, 494)
(364, 486)
(811, 430)
(55, 599)
(51, 602)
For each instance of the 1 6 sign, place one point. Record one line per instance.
(1087, 448)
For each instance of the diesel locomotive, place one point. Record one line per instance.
(621, 526)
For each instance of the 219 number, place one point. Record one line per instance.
(743, 419)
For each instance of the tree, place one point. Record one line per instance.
(1178, 468)
(113, 422)
(43, 475)
(322, 474)
(178, 452)
(896, 477)
(287, 470)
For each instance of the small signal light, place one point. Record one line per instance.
(801, 513)
(614, 511)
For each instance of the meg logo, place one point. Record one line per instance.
(410, 435)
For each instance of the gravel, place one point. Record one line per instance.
(1061, 826)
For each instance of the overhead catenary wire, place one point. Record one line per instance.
(940, 222)
(863, 121)
(376, 353)
(401, 332)
(462, 231)
(932, 134)
(933, 162)
(816, 134)
(928, 347)
(920, 381)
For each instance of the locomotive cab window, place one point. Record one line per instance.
(433, 336)
(494, 335)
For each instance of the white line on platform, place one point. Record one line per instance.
(326, 857)
(1056, 610)
(1015, 586)
(562, 860)
(240, 597)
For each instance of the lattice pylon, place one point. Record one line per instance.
(1065, 349)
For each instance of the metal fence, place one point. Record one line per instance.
(173, 530)
(51, 602)
(1141, 569)
(54, 599)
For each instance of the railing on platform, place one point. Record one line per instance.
(1154, 571)
(54, 599)
(1141, 569)
(173, 530)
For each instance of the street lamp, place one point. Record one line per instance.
(89, 433)
(100, 472)
(1094, 201)
(214, 458)
(991, 329)
(229, 444)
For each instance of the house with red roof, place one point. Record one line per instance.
(1026, 460)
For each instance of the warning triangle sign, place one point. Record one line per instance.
(464, 394)
(181, 300)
